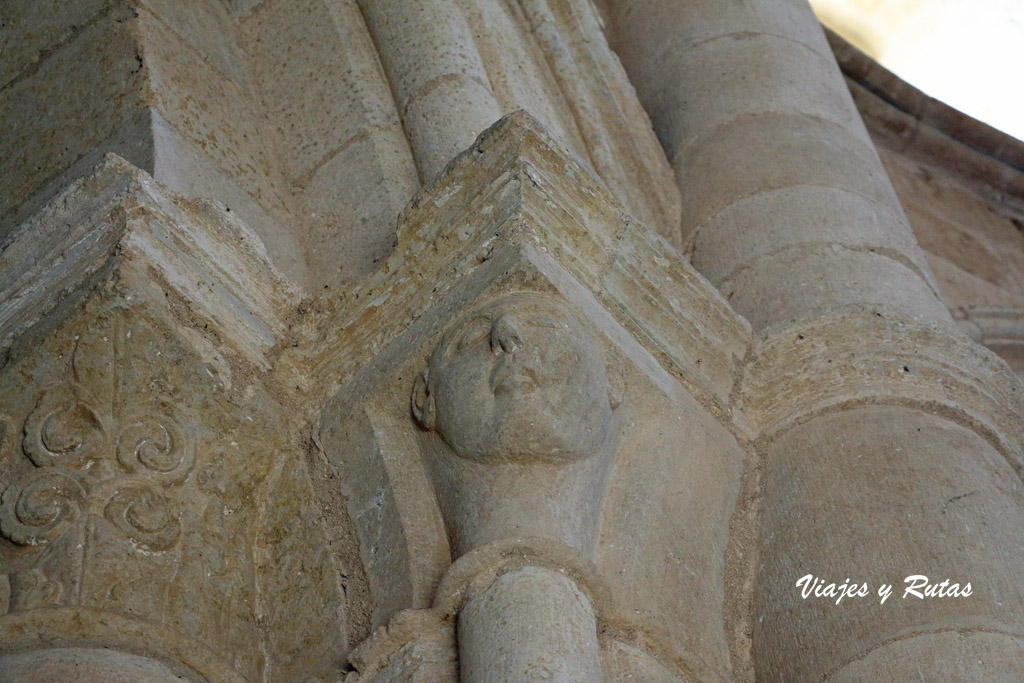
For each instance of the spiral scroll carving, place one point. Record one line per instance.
(157, 446)
(66, 432)
(142, 512)
(39, 508)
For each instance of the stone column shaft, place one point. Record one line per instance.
(441, 88)
(531, 624)
(788, 211)
(785, 202)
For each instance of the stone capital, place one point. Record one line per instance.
(140, 445)
(516, 235)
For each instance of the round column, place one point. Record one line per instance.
(531, 624)
(900, 463)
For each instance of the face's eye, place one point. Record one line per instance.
(476, 330)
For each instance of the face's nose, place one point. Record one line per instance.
(505, 335)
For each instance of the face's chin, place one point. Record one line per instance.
(520, 380)
(531, 425)
(520, 427)
(527, 414)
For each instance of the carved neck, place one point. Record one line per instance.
(487, 501)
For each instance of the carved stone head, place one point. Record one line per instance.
(517, 379)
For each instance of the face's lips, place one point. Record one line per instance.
(509, 374)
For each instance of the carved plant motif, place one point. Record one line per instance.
(68, 443)
(100, 496)
(34, 588)
(63, 431)
(154, 444)
(86, 456)
(41, 506)
(140, 510)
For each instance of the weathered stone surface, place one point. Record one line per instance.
(155, 84)
(303, 612)
(771, 68)
(935, 500)
(922, 656)
(841, 219)
(962, 186)
(416, 646)
(715, 176)
(531, 624)
(342, 145)
(205, 26)
(455, 73)
(518, 437)
(139, 448)
(121, 484)
(92, 88)
(203, 252)
(547, 450)
(542, 197)
(216, 130)
(837, 314)
(32, 32)
(88, 664)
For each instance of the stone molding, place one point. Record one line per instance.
(117, 215)
(140, 443)
(517, 215)
(873, 359)
(921, 126)
(516, 189)
(139, 328)
(60, 627)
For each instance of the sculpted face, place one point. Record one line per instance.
(518, 379)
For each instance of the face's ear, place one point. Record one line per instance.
(421, 401)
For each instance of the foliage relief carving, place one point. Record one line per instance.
(93, 446)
